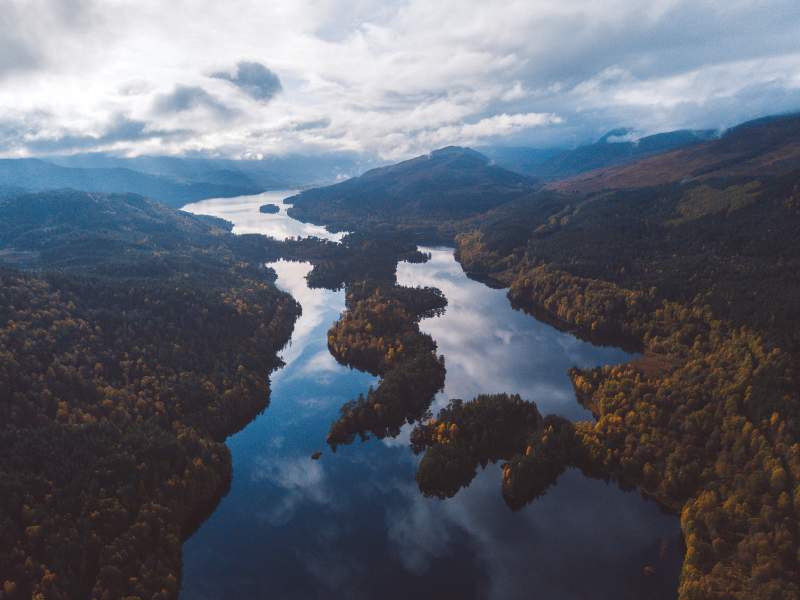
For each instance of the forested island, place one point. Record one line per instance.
(269, 209)
(378, 333)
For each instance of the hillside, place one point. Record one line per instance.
(451, 182)
(699, 272)
(555, 163)
(65, 229)
(763, 147)
(137, 342)
(522, 159)
(39, 175)
(291, 171)
(703, 281)
(710, 230)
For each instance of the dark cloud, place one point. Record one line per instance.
(77, 13)
(16, 52)
(121, 129)
(309, 125)
(576, 45)
(587, 125)
(15, 55)
(10, 133)
(185, 97)
(453, 64)
(28, 26)
(254, 79)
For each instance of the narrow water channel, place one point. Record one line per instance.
(354, 525)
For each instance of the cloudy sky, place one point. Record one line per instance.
(390, 78)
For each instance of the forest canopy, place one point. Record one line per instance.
(138, 343)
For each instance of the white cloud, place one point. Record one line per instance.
(300, 480)
(390, 77)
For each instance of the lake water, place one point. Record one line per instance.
(243, 212)
(354, 525)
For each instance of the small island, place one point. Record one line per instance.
(270, 209)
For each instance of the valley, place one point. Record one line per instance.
(363, 498)
(474, 352)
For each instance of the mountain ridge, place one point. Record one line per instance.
(39, 175)
(766, 146)
(557, 163)
(451, 180)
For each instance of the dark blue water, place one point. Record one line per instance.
(354, 525)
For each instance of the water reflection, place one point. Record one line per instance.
(354, 525)
(583, 540)
(491, 348)
(244, 213)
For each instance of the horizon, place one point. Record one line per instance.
(608, 137)
(391, 81)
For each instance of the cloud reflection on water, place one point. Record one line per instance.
(301, 481)
(583, 539)
(354, 524)
(490, 347)
(243, 212)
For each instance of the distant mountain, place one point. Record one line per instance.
(274, 172)
(611, 149)
(448, 182)
(11, 190)
(173, 181)
(769, 146)
(39, 175)
(521, 159)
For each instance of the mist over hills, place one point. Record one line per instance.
(611, 149)
(271, 172)
(444, 191)
(37, 175)
(762, 147)
(451, 179)
(453, 190)
(173, 181)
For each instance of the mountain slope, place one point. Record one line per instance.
(139, 342)
(272, 172)
(703, 280)
(66, 229)
(768, 146)
(451, 182)
(38, 175)
(531, 162)
(557, 163)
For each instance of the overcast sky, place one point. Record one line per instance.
(393, 78)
